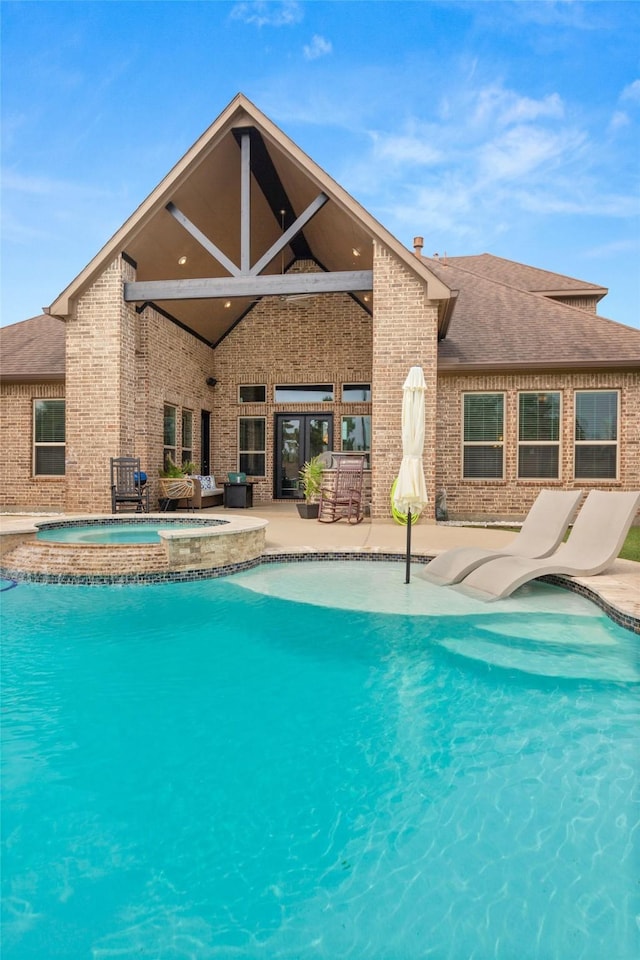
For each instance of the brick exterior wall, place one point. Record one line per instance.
(323, 339)
(173, 367)
(122, 367)
(404, 335)
(19, 486)
(512, 497)
(100, 388)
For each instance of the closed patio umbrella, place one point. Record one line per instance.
(410, 496)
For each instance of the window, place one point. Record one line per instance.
(356, 392)
(251, 446)
(483, 436)
(305, 393)
(170, 420)
(596, 435)
(48, 438)
(187, 436)
(539, 435)
(252, 393)
(356, 435)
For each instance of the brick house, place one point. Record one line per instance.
(250, 313)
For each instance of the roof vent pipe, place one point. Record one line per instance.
(418, 244)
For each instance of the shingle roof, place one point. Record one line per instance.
(494, 326)
(497, 326)
(525, 277)
(33, 349)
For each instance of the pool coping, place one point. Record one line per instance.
(302, 555)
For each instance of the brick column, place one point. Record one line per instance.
(101, 405)
(404, 335)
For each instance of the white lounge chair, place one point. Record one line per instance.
(594, 543)
(541, 533)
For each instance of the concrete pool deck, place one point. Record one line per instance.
(287, 534)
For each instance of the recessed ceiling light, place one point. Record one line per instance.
(227, 304)
(182, 261)
(355, 252)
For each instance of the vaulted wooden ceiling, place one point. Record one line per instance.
(225, 224)
(209, 206)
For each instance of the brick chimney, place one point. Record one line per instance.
(418, 244)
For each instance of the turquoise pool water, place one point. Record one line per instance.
(136, 531)
(225, 769)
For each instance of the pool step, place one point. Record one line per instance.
(579, 661)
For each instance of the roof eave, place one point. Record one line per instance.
(32, 378)
(596, 292)
(505, 366)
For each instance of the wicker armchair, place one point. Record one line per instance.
(176, 488)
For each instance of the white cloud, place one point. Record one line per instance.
(467, 174)
(504, 107)
(49, 187)
(613, 249)
(405, 149)
(268, 13)
(631, 92)
(578, 203)
(319, 47)
(618, 120)
(523, 150)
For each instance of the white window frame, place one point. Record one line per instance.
(262, 452)
(42, 444)
(539, 443)
(592, 442)
(482, 443)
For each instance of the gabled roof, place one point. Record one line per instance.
(32, 350)
(496, 326)
(528, 278)
(205, 188)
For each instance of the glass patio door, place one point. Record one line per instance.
(299, 437)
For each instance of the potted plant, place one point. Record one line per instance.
(311, 482)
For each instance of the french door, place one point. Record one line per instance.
(299, 437)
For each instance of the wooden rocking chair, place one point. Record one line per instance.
(343, 497)
(128, 485)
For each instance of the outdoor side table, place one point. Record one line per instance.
(238, 495)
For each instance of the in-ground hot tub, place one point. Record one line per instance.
(118, 549)
(118, 531)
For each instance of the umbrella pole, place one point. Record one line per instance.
(408, 567)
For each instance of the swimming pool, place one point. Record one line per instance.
(313, 761)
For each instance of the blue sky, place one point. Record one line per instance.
(509, 128)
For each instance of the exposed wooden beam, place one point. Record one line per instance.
(203, 240)
(269, 182)
(245, 204)
(294, 229)
(347, 281)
